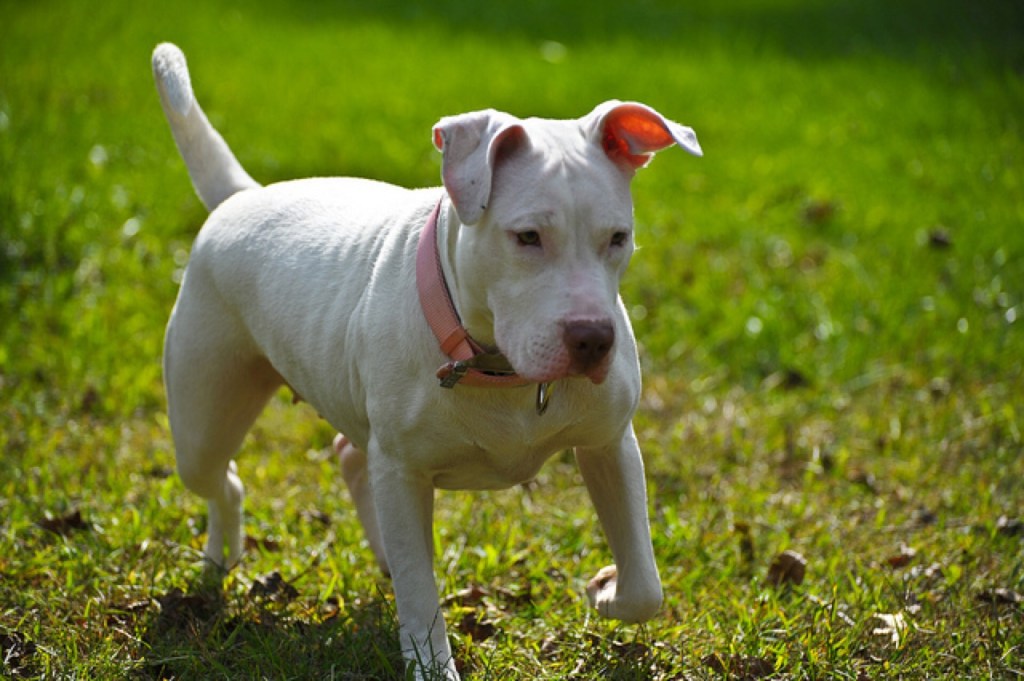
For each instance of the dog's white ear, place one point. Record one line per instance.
(471, 144)
(630, 133)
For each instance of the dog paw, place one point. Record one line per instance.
(601, 590)
(638, 604)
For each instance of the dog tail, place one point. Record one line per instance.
(216, 173)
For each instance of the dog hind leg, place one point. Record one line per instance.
(214, 395)
(357, 478)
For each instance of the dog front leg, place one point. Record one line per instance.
(405, 505)
(631, 589)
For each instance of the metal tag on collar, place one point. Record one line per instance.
(543, 397)
(455, 372)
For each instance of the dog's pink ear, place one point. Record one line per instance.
(471, 144)
(630, 133)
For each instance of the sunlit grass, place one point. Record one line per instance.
(828, 306)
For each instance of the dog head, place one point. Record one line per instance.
(547, 230)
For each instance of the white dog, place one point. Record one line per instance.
(457, 336)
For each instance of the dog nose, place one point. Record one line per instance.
(588, 343)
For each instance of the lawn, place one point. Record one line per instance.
(830, 306)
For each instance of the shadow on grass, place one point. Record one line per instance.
(268, 633)
(807, 30)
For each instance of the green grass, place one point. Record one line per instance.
(829, 304)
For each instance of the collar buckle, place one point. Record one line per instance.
(470, 364)
(451, 373)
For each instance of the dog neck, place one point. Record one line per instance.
(470, 363)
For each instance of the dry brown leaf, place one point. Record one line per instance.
(789, 567)
(739, 666)
(1000, 596)
(1009, 527)
(939, 237)
(865, 480)
(630, 650)
(471, 596)
(903, 558)
(273, 587)
(176, 606)
(65, 524)
(330, 609)
(746, 537)
(819, 211)
(516, 596)
(263, 544)
(16, 654)
(317, 516)
(122, 614)
(476, 628)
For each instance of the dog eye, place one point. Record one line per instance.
(530, 237)
(620, 239)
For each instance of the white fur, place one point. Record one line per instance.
(311, 283)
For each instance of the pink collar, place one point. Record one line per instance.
(471, 363)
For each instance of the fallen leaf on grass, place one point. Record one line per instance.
(65, 524)
(273, 587)
(1009, 527)
(159, 472)
(16, 654)
(471, 596)
(265, 544)
(91, 400)
(818, 212)
(476, 628)
(939, 387)
(925, 516)
(746, 537)
(330, 609)
(902, 558)
(475, 594)
(317, 516)
(789, 567)
(1001, 596)
(179, 613)
(939, 238)
(550, 647)
(865, 480)
(787, 379)
(122, 614)
(894, 625)
(516, 596)
(176, 604)
(630, 650)
(739, 666)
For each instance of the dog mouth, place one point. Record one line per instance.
(562, 368)
(596, 375)
(579, 349)
(599, 373)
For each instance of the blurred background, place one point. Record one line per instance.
(859, 202)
